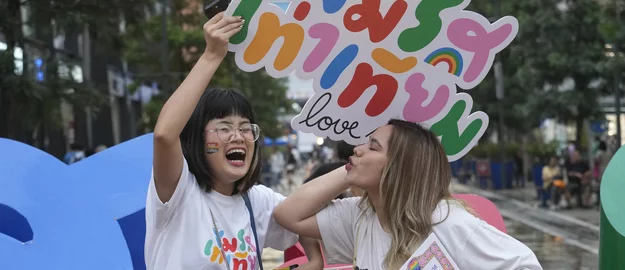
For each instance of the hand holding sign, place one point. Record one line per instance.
(218, 31)
(374, 60)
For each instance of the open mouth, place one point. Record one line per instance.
(236, 156)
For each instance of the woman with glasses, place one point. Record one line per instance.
(204, 209)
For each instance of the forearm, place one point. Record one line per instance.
(311, 197)
(312, 248)
(179, 107)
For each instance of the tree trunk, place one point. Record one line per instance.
(579, 129)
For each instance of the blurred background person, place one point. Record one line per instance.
(342, 153)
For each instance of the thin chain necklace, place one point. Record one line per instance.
(219, 242)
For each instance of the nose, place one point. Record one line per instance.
(358, 150)
(238, 137)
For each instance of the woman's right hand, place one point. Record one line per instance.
(217, 33)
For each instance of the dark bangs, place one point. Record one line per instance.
(217, 103)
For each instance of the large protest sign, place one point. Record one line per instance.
(374, 60)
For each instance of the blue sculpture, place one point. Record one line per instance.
(89, 215)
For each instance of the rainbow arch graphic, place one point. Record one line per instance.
(451, 56)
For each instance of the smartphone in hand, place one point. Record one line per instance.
(216, 6)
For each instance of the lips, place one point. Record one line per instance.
(236, 156)
(350, 165)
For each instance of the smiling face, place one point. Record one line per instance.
(367, 164)
(214, 142)
(230, 147)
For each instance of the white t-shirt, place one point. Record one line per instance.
(472, 243)
(180, 232)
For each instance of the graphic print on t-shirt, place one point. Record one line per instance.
(239, 250)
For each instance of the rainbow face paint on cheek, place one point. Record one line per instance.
(212, 148)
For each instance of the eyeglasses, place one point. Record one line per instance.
(226, 132)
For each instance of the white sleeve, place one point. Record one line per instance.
(489, 248)
(264, 201)
(336, 225)
(158, 213)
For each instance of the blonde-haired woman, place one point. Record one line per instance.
(405, 174)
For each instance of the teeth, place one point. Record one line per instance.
(236, 151)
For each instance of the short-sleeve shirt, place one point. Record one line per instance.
(180, 235)
(579, 167)
(471, 242)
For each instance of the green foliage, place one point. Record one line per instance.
(186, 44)
(32, 104)
(492, 151)
(557, 42)
(541, 152)
(34, 107)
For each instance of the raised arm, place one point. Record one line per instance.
(297, 212)
(167, 159)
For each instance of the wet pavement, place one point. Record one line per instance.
(552, 251)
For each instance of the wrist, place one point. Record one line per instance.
(211, 57)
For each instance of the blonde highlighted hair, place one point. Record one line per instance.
(416, 177)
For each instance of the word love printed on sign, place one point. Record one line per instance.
(373, 60)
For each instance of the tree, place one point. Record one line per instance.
(33, 106)
(186, 44)
(555, 66)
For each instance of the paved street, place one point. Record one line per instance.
(561, 240)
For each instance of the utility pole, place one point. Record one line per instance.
(499, 89)
(164, 47)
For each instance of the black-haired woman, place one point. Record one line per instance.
(204, 209)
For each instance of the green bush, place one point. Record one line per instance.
(541, 152)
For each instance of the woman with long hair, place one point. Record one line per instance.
(204, 209)
(405, 174)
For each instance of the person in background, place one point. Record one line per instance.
(100, 148)
(291, 165)
(76, 153)
(277, 166)
(579, 175)
(602, 158)
(342, 153)
(549, 173)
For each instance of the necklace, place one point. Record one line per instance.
(219, 241)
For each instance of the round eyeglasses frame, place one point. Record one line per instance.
(254, 129)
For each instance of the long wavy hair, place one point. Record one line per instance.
(416, 177)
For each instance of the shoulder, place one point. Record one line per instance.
(346, 208)
(452, 218)
(352, 202)
(264, 197)
(258, 192)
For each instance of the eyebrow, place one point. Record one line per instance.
(229, 122)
